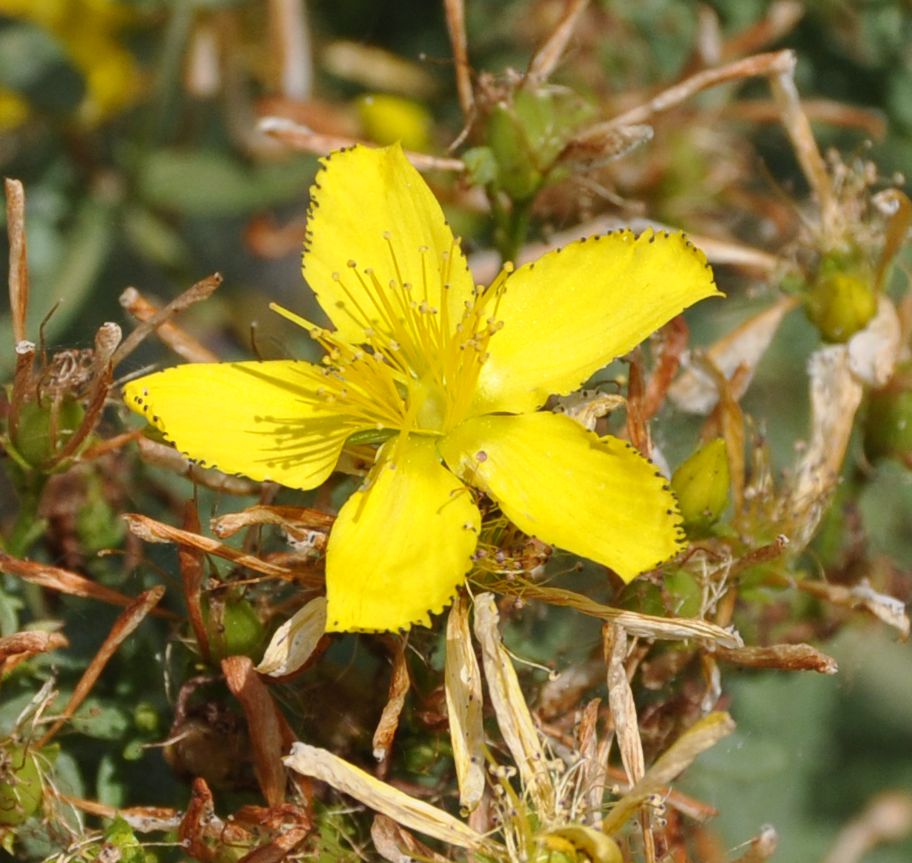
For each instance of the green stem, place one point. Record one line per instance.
(511, 224)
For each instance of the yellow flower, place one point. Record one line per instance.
(449, 377)
(87, 32)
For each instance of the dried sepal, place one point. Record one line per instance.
(704, 734)
(695, 389)
(395, 804)
(464, 705)
(785, 657)
(270, 734)
(513, 717)
(295, 641)
(620, 700)
(640, 625)
(400, 683)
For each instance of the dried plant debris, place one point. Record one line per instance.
(468, 554)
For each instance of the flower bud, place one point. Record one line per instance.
(888, 422)
(43, 428)
(234, 629)
(701, 485)
(841, 299)
(20, 784)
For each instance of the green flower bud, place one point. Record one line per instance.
(888, 422)
(20, 784)
(701, 485)
(841, 299)
(37, 437)
(234, 629)
(517, 174)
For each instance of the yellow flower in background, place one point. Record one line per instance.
(449, 378)
(87, 31)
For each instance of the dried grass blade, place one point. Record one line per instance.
(295, 640)
(678, 757)
(150, 530)
(264, 723)
(123, 627)
(513, 716)
(786, 657)
(640, 625)
(415, 814)
(55, 578)
(462, 678)
(400, 683)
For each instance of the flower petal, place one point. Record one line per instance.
(400, 548)
(596, 497)
(259, 419)
(571, 312)
(373, 225)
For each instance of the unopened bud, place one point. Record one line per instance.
(44, 428)
(841, 299)
(701, 485)
(888, 422)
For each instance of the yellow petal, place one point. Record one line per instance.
(559, 482)
(400, 548)
(571, 312)
(372, 211)
(258, 419)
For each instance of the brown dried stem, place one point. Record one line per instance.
(455, 18)
(202, 290)
(305, 140)
(183, 344)
(151, 530)
(548, 56)
(18, 260)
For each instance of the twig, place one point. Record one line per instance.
(455, 17)
(18, 256)
(183, 344)
(202, 290)
(548, 56)
(305, 140)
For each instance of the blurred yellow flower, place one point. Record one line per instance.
(447, 377)
(87, 31)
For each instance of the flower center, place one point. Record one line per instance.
(416, 369)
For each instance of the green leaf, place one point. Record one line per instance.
(210, 183)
